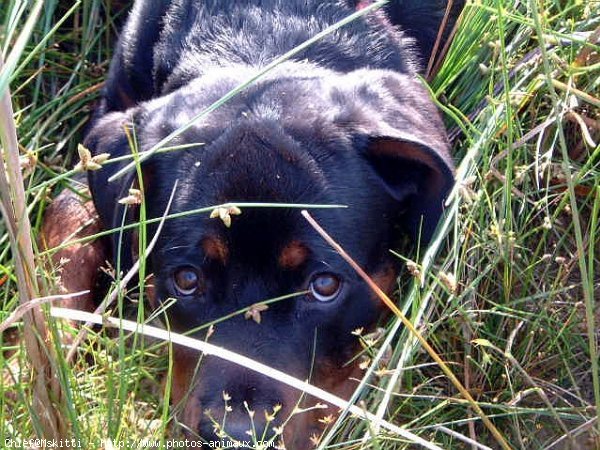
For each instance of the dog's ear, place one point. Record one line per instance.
(108, 135)
(416, 176)
(406, 145)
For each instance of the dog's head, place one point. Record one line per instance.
(369, 140)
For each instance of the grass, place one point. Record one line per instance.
(505, 293)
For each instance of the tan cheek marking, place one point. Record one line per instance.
(184, 387)
(341, 382)
(184, 368)
(385, 278)
(215, 249)
(293, 255)
(192, 415)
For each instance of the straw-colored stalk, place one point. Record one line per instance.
(47, 395)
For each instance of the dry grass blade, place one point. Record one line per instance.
(236, 358)
(434, 52)
(22, 309)
(14, 209)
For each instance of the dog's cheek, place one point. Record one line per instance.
(385, 278)
(185, 362)
(185, 390)
(192, 415)
(305, 429)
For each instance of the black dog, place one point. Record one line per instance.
(344, 122)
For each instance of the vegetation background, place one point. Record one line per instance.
(506, 292)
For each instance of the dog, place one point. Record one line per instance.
(345, 121)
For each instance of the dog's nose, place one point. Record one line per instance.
(228, 403)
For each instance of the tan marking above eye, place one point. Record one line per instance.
(293, 255)
(215, 249)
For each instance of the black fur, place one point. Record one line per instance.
(344, 122)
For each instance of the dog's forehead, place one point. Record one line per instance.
(252, 161)
(248, 161)
(278, 183)
(267, 238)
(289, 92)
(268, 145)
(277, 143)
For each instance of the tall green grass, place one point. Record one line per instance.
(507, 288)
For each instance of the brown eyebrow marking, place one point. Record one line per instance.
(215, 249)
(293, 255)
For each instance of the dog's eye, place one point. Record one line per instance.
(187, 281)
(325, 287)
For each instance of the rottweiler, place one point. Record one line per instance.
(346, 121)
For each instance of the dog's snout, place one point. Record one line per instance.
(240, 420)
